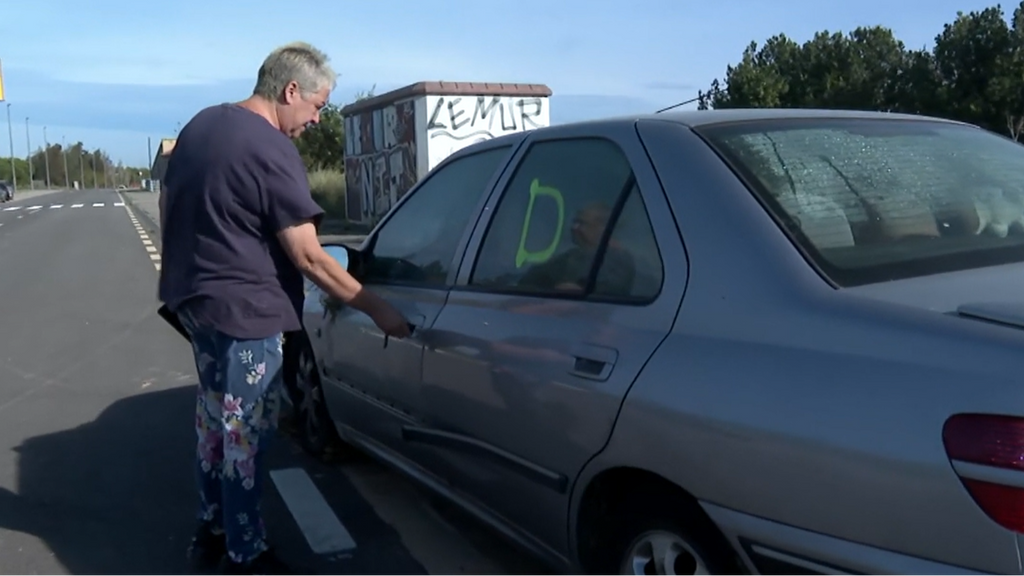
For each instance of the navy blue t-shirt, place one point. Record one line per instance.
(233, 181)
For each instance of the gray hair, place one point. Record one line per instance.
(299, 62)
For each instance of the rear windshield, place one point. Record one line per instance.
(884, 199)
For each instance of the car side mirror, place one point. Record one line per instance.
(351, 259)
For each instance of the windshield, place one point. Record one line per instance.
(871, 200)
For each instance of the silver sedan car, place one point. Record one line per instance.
(775, 341)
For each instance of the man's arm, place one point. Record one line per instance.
(303, 248)
(292, 213)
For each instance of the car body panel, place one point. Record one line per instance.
(806, 420)
(497, 362)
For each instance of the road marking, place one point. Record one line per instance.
(77, 205)
(323, 530)
(12, 208)
(97, 204)
(33, 207)
(154, 255)
(52, 206)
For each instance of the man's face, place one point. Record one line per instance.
(296, 112)
(587, 227)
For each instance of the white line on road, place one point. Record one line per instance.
(12, 208)
(33, 207)
(150, 248)
(52, 206)
(323, 530)
(77, 205)
(97, 203)
(118, 203)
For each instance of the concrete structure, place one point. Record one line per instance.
(393, 140)
(163, 155)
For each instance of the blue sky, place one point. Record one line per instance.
(113, 72)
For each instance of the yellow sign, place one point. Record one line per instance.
(1, 83)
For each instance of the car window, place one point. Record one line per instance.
(549, 233)
(875, 200)
(417, 243)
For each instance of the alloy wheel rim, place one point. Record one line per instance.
(662, 552)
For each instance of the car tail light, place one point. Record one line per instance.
(996, 441)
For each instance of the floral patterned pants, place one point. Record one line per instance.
(237, 408)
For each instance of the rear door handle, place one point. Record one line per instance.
(593, 362)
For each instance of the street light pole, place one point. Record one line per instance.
(64, 153)
(28, 156)
(81, 167)
(10, 137)
(46, 157)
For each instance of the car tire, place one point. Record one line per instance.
(310, 419)
(652, 536)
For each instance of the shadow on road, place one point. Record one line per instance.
(113, 496)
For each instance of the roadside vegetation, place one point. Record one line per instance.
(92, 168)
(973, 72)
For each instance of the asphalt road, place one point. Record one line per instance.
(96, 411)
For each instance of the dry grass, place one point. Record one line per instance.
(328, 187)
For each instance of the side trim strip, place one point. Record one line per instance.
(774, 561)
(452, 441)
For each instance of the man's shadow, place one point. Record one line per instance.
(114, 495)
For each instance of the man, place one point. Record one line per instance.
(238, 227)
(569, 271)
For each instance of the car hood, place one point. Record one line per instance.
(995, 293)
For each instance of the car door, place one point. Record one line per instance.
(410, 261)
(568, 286)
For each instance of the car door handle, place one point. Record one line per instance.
(415, 323)
(593, 362)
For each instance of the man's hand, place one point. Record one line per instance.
(390, 320)
(304, 249)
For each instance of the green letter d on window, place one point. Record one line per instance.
(523, 255)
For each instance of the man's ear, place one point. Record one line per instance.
(291, 93)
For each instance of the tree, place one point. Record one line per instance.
(974, 73)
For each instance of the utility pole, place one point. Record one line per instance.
(46, 157)
(94, 186)
(81, 166)
(64, 153)
(28, 156)
(10, 137)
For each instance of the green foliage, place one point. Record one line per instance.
(974, 73)
(322, 146)
(328, 188)
(93, 169)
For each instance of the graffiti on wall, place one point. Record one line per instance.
(380, 159)
(454, 122)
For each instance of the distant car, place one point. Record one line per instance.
(121, 187)
(6, 192)
(779, 341)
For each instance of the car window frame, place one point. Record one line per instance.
(498, 190)
(366, 249)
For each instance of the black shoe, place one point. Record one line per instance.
(266, 563)
(206, 549)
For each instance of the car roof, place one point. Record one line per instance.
(701, 118)
(698, 118)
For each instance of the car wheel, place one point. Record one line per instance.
(668, 537)
(311, 421)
